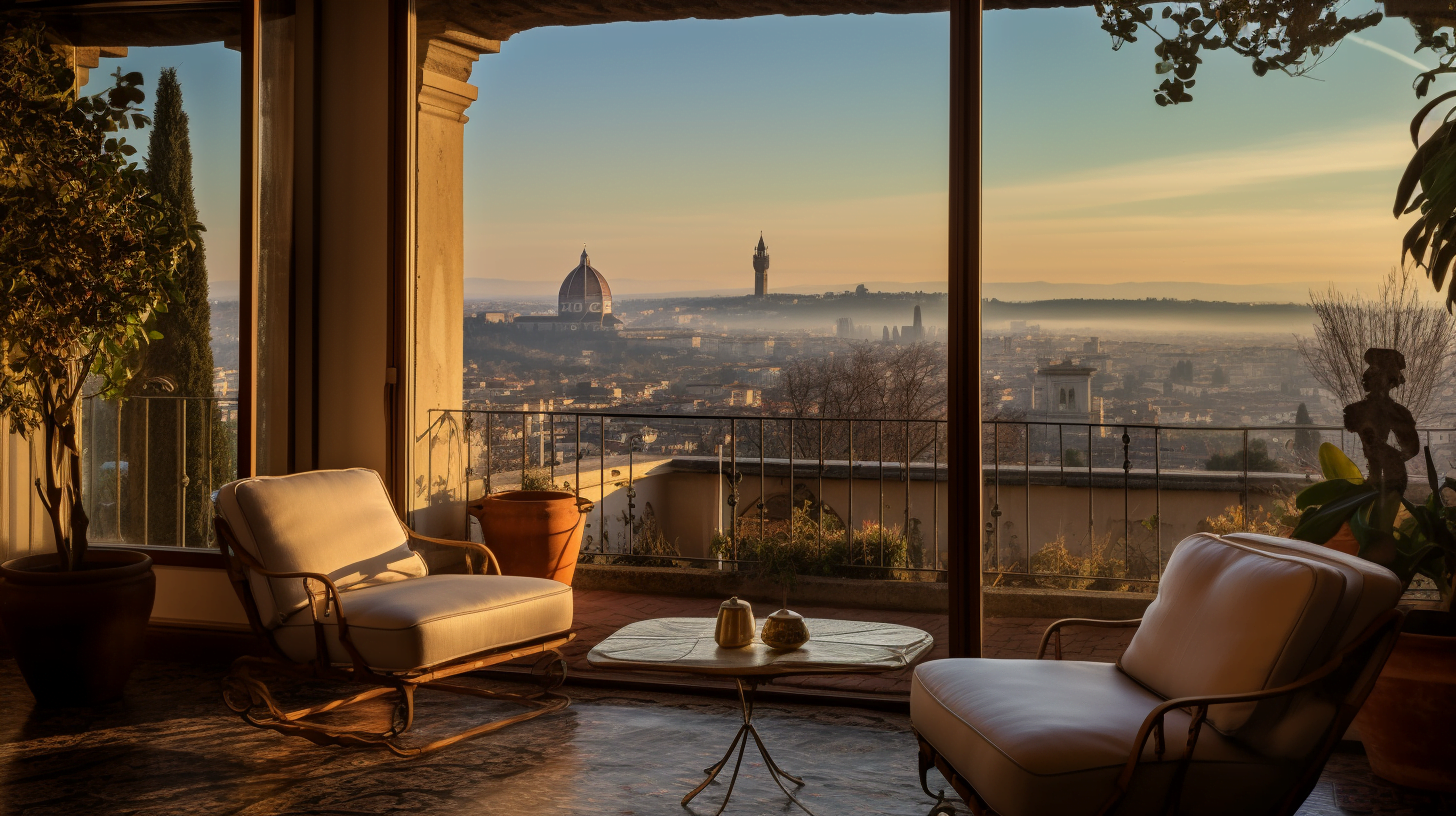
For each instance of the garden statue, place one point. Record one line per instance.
(1375, 420)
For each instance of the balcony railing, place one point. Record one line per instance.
(1066, 493)
(1075, 505)
(152, 463)
(883, 478)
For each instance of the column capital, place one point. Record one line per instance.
(447, 54)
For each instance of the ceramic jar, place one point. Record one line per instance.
(735, 624)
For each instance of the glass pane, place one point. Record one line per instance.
(154, 459)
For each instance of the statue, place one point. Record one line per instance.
(1376, 419)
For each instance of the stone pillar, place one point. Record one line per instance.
(446, 55)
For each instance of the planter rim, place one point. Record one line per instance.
(120, 564)
(528, 496)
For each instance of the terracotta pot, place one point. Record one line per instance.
(1344, 541)
(76, 635)
(534, 532)
(1408, 723)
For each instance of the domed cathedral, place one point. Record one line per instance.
(584, 303)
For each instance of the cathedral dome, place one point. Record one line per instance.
(584, 294)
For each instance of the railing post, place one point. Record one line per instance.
(1026, 514)
(1158, 503)
(146, 471)
(762, 483)
(1246, 480)
(820, 545)
(935, 488)
(905, 475)
(733, 494)
(793, 505)
(489, 448)
(1126, 505)
(880, 477)
(182, 473)
(849, 520)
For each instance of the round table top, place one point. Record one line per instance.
(686, 645)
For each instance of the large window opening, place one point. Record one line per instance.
(154, 458)
(705, 285)
(1171, 274)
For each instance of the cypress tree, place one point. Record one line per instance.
(1306, 443)
(183, 356)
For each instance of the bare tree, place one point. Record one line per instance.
(1397, 318)
(876, 383)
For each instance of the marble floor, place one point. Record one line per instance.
(170, 748)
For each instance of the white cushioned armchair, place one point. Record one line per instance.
(330, 584)
(1243, 674)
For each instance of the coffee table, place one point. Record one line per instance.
(686, 645)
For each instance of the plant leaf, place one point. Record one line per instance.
(1334, 464)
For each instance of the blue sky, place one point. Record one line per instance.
(666, 147)
(210, 77)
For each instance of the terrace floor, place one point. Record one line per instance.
(171, 748)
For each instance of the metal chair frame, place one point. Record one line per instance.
(246, 693)
(1350, 674)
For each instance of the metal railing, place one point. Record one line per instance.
(1128, 459)
(152, 463)
(510, 449)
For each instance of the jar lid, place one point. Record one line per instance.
(786, 614)
(734, 603)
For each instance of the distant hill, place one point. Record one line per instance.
(1150, 314)
(1285, 292)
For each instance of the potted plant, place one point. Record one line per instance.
(535, 531)
(1408, 723)
(87, 259)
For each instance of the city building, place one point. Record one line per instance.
(1063, 392)
(760, 269)
(844, 327)
(584, 303)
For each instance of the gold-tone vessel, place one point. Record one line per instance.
(785, 629)
(735, 624)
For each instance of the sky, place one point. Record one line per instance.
(666, 147)
(210, 77)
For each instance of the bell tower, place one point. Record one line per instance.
(760, 269)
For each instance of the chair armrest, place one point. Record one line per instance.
(1386, 626)
(1056, 630)
(488, 557)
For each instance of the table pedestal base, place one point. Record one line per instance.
(740, 742)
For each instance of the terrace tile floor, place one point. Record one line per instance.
(171, 748)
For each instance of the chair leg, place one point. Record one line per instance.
(248, 695)
(942, 805)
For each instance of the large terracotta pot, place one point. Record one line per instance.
(76, 635)
(534, 532)
(1408, 724)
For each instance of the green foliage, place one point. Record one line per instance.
(88, 256)
(1424, 535)
(1073, 458)
(1429, 185)
(1259, 459)
(1289, 36)
(183, 355)
(872, 552)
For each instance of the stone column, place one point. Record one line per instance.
(446, 55)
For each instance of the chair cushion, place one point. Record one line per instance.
(1230, 619)
(1050, 737)
(1370, 591)
(336, 522)
(427, 621)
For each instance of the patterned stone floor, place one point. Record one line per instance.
(170, 748)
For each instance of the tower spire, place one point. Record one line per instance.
(760, 268)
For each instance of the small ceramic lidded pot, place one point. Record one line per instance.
(735, 624)
(785, 629)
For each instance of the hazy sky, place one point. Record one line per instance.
(1259, 180)
(666, 147)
